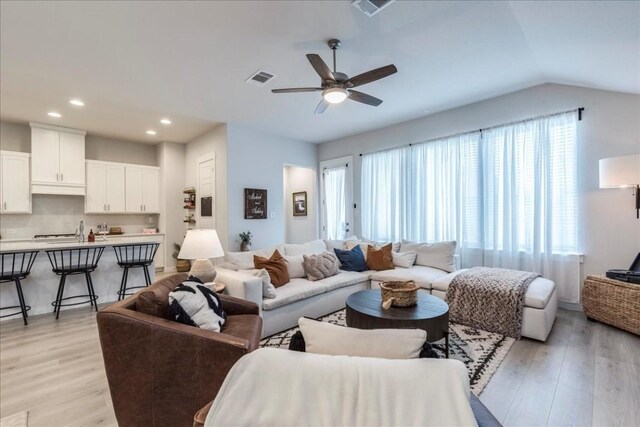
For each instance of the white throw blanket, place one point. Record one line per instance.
(276, 387)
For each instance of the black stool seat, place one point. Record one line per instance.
(15, 266)
(70, 262)
(137, 255)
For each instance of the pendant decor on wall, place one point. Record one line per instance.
(255, 203)
(300, 203)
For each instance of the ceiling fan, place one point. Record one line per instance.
(336, 86)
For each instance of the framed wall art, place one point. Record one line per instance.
(300, 203)
(255, 203)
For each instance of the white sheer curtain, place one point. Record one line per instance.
(507, 195)
(386, 194)
(531, 201)
(334, 202)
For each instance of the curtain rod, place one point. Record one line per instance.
(579, 110)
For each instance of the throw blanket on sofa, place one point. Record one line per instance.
(491, 299)
(276, 387)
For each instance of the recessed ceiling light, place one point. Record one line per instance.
(165, 121)
(54, 114)
(151, 132)
(77, 102)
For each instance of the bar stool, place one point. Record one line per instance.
(71, 262)
(16, 266)
(138, 255)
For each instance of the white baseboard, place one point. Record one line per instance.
(570, 306)
(170, 270)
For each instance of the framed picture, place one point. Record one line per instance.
(255, 203)
(300, 203)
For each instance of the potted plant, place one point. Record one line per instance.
(245, 241)
(182, 265)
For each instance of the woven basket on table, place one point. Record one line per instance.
(613, 302)
(399, 294)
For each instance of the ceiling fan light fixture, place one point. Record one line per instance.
(335, 95)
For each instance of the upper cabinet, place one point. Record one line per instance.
(57, 160)
(105, 187)
(14, 182)
(142, 189)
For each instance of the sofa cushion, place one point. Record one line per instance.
(295, 290)
(276, 266)
(351, 260)
(404, 259)
(309, 248)
(294, 266)
(380, 259)
(537, 296)
(364, 246)
(325, 338)
(343, 279)
(438, 255)
(319, 266)
(154, 300)
(244, 260)
(423, 276)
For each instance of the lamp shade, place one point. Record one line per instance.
(623, 171)
(201, 244)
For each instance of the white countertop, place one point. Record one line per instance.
(66, 243)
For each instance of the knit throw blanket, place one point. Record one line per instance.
(491, 299)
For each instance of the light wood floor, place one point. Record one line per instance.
(585, 374)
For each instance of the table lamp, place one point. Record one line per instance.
(621, 172)
(200, 246)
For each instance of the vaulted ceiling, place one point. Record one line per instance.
(134, 63)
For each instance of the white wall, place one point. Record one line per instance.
(256, 160)
(300, 229)
(610, 127)
(212, 141)
(172, 162)
(15, 137)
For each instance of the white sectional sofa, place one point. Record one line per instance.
(301, 297)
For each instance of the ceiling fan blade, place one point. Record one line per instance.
(320, 66)
(321, 106)
(371, 76)
(354, 95)
(297, 89)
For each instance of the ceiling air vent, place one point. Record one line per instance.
(371, 7)
(260, 78)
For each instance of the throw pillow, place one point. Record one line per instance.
(329, 339)
(380, 259)
(437, 255)
(404, 259)
(244, 260)
(352, 260)
(310, 248)
(276, 266)
(364, 246)
(268, 290)
(294, 266)
(194, 304)
(320, 266)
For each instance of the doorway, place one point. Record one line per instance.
(300, 204)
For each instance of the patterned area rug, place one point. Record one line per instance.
(480, 351)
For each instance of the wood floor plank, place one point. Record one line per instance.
(614, 393)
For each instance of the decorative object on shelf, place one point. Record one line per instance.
(149, 231)
(190, 218)
(182, 265)
(245, 241)
(621, 172)
(399, 294)
(190, 201)
(115, 230)
(201, 245)
(300, 203)
(255, 203)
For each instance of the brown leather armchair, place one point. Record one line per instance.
(161, 372)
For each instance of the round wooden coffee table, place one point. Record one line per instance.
(364, 311)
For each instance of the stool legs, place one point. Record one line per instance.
(123, 284)
(122, 293)
(92, 297)
(63, 279)
(23, 306)
(147, 276)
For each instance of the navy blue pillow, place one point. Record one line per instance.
(352, 260)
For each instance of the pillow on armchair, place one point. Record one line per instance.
(194, 304)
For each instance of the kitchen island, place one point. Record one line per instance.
(41, 286)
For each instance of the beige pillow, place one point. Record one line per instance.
(268, 290)
(244, 260)
(276, 266)
(363, 245)
(404, 259)
(437, 255)
(310, 248)
(319, 266)
(295, 267)
(326, 338)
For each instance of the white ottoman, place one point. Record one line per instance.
(540, 304)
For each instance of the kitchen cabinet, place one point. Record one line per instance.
(57, 160)
(142, 189)
(14, 182)
(105, 187)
